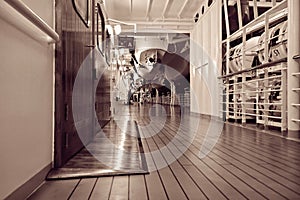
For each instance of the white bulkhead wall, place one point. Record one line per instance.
(26, 105)
(206, 38)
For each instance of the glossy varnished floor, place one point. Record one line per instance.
(244, 164)
(122, 134)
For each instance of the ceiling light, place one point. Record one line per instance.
(109, 29)
(117, 29)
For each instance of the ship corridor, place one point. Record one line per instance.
(150, 99)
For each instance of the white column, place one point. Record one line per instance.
(293, 65)
(173, 93)
(156, 95)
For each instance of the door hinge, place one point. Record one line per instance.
(66, 140)
(66, 112)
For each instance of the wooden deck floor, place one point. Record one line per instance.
(243, 165)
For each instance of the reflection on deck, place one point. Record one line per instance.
(244, 164)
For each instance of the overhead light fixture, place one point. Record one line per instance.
(117, 29)
(125, 23)
(109, 29)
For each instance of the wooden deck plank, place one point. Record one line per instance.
(229, 191)
(185, 180)
(217, 180)
(275, 148)
(171, 186)
(258, 186)
(137, 189)
(83, 189)
(268, 157)
(261, 146)
(102, 188)
(208, 188)
(288, 192)
(283, 173)
(288, 188)
(262, 139)
(272, 159)
(276, 169)
(187, 183)
(120, 188)
(265, 166)
(240, 186)
(242, 165)
(173, 189)
(55, 190)
(278, 173)
(278, 178)
(262, 178)
(155, 187)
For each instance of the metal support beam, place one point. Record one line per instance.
(255, 10)
(239, 9)
(182, 8)
(284, 98)
(226, 18)
(244, 76)
(149, 7)
(261, 4)
(266, 73)
(131, 5)
(167, 23)
(167, 7)
(293, 64)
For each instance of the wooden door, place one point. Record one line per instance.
(75, 45)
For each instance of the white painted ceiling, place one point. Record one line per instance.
(154, 14)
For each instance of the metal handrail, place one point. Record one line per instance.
(265, 65)
(278, 8)
(24, 10)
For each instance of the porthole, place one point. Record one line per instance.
(196, 18)
(209, 2)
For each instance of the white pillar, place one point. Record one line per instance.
(173, 93)
(156, 95)
(293, 65)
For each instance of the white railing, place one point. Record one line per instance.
(25, 11)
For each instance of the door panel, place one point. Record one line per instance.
(70, 53)
(76, 43)
(102, 100)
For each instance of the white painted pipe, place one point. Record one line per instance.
(24, 10)
(293, 65)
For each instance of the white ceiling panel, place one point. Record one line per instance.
(139, 8)
(156, 13)
(157, 8)
(118, 9)
(191, 8)
(175, 8)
